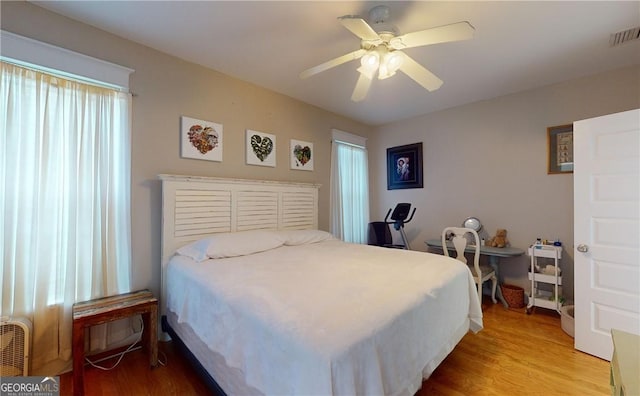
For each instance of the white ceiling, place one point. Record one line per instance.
(517, 45)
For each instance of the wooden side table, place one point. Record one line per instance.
(107, 309)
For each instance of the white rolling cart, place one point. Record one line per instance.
(536, 297)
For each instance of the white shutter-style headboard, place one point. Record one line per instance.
(194, 207)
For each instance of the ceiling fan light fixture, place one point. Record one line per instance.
(384, 73)
(394, 60)
(370, 60)
(391, 62)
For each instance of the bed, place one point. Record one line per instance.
(270, 305)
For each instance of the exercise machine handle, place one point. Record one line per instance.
(411, 217)
(387, 216)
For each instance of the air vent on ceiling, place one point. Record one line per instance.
(624, 36)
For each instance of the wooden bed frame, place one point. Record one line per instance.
(194, 207)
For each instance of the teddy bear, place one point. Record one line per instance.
(500, 240)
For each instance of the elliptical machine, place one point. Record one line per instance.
(379, 233)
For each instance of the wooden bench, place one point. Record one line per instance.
(107, 309)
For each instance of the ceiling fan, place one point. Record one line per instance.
(380, 50)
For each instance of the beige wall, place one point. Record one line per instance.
(488, 159)
(166, 88)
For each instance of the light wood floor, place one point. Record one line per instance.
(518, 354)
(515, 354)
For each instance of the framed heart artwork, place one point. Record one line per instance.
(301, 154)
(261, 148)
(200, 139)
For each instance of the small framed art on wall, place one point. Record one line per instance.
(404, 166)
(301, 154)
(200, 139)
(560, 149)
(261, 148)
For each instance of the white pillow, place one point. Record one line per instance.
(232, 244)
(303, 237)
(196, 250)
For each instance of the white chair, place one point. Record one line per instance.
(481, 273)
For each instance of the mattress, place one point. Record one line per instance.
(322, 318)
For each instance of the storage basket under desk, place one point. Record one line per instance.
(536, 297)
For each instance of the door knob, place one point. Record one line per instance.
(583, 248)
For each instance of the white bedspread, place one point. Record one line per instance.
(326, 318)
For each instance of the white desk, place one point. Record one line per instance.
(494, 254)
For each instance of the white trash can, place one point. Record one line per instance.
(567, 319)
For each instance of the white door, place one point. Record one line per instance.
(607, 229)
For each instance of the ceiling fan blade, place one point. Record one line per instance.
(419, 74)
(362, 88)
(333, 63)
(359, 27)
(442, 34)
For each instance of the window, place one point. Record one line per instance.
(349, 187)
(65, 199)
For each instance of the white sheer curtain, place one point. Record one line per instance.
(65, 199)
(349, 188)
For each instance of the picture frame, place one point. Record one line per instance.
(301, 155)
(404, 166)
(560, 149)
(200, 139)
(261, 148)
